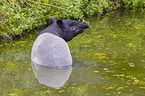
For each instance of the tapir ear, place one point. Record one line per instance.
(52, 19)
(59, 22)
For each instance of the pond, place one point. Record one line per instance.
(108, 59)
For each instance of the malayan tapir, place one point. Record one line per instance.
(50, 48)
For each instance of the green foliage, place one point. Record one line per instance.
(19, 15)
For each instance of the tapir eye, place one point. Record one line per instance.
(73, 28)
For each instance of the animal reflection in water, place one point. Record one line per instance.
(51, 53)
(52, 77)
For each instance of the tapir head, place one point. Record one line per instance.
(70, 28)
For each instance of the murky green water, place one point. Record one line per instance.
(108, 59)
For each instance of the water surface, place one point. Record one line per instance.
(108, 59)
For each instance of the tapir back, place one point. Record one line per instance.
(50, 50)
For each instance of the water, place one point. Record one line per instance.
(108, 59)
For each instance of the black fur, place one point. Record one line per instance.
(66, 29)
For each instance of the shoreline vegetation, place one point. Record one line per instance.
(19, 17)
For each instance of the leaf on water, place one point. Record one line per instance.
(96, 71)
(126, 86)
(131, 64)
(143, 60)
(86, 45)
(130, 90)
(123, 68)
(130, 45)
(131, 77)
(122, 75)
(13, 94)
(127, 76)
(105, 69)
(136, 82)
(111, 87)
(108, 94)
(115, 75)
(142, 87)
(136, 27)
(20, 42)
(110, 43)
(118, 75)
(119, 92)
(110, 71)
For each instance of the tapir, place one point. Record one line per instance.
(50, 48)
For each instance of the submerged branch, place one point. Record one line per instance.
(6, 35)
(32, 6)
(11, 6)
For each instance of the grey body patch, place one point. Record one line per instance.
(50, 50)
